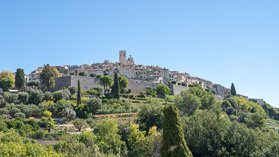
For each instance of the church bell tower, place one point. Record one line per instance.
(122, 57)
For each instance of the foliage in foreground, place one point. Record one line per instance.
(174, 144)
(12, 144)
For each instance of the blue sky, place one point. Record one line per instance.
(222, 41)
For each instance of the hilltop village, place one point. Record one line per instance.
(126, 109)
(140, 76)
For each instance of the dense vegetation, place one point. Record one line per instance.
(72, 122)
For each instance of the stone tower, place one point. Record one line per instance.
(122, 57)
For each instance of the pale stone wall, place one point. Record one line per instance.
(138, 86)
(177, 89)
(86, 83)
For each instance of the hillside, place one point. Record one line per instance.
(109, 120)
(100, 125)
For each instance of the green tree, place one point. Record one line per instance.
(79, 94)
(162, 90)
(48, 76)
(116, 88)
(107, 137)
(19, 78)
(12, 144)
(187, 102)
(205, 131)
(241, 141)
(79, 124)
(135, 135)
(173, 144)
(207, 99)
(144, 146)
(82, 145)
(233, 90)
(150, 115)
(8, 75)
(123, 83)
(106, 81)
(5, 84)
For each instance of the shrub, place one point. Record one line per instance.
(3, 126)
(93, 75)
(23, 97)
(31, 111)
(40, 134)
(100, 91)
(46, 122)
(66, 94)
(233, 102)
(12, 109)
(163, 90)
(58, 107)
(47, 114)
(226, 104)
(72, 90)
(79, 124)
(150, 92)
(36, 97)
(57, 96)
(48, 96)
(82, 73)
(94, 105)
(69, 114)
(92, 92)
(4, 111)
(2, 102)
(230, 111)
(19, 115)
(10, 97)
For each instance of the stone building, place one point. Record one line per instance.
(35, 75)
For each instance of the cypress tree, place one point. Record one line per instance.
(173, 144)
(79, 94)
(233, 91)
(19, 78)
(116, 88)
